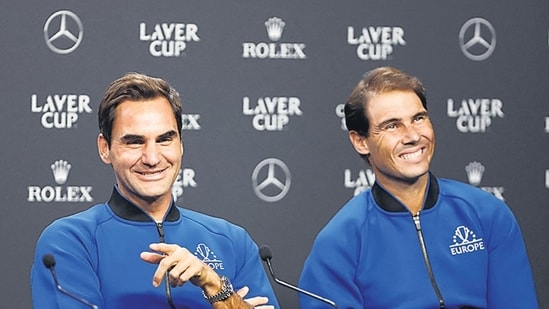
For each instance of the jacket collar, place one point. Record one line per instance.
(129, 211)
(389, 203)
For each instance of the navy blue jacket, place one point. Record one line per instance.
(370, 254)
(97, 254)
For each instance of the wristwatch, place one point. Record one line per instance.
(226, 291)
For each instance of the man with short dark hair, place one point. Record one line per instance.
(413, 240)
(136, 250)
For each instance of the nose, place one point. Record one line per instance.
(151, 154)
(411, 135)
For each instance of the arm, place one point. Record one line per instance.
(329, 271)
(510, 280)
(183, 266)
(75, 269)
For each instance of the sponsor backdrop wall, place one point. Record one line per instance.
(263, 83)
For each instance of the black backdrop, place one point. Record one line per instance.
(485, 65)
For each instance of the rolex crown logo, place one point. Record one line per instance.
(474, 172)
(274, 26)
(60, 169)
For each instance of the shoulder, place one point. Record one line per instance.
(73, 231)
(454, 189)
(351, 216)
(357, 207)
(88, 220)
(211, 223)
(483, 204)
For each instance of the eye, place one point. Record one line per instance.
(134, 142)
(165, 140)
(420, 117)
(391, 126)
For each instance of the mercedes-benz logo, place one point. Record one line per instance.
(477, 39)
(267, 180)
(66, 32)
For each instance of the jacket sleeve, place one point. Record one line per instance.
(329, 271)
(252, 273)
(73, 268)
(510, 280)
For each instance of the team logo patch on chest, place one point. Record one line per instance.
(465, 241)
(204, 253)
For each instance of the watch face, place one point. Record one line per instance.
(228, 284)
(226, 291)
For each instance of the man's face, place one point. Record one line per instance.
(401, 142)
(145, 151)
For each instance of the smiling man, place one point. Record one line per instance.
(137, 250)
(414, 240)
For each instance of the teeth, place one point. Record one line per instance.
(149, 173)
(410, 156)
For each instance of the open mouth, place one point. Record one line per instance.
(151, 173)
(412, 155)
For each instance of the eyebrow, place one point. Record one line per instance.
(386, 122)
(383, 123)
(168, 134)
(133, 137)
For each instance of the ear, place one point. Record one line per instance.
(359, 143)
(103, 149)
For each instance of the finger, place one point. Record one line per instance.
(183, 272)
(167, 249)
(257, 301)
(175, 259)
(243, 291)
(165, 264)
(155, 258)
(151, 257)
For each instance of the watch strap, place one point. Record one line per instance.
(225, 292)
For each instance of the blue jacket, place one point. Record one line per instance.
(370, 254)
(97, 257)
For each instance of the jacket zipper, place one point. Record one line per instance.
(162, 239)
(426, 260)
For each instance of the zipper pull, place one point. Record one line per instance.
(416, 222)
(160, 230)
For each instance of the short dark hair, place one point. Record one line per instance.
(374, 82)
(135, 87)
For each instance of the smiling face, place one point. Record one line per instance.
(145, 151)
(401, 139)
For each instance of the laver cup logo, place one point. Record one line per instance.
(271, 113)
(474, 115)
(360, 181)
(168, 39)
(59, 193)
(60, 111)
(375, 42)
(185, 179)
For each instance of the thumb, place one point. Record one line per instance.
(243, 291)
